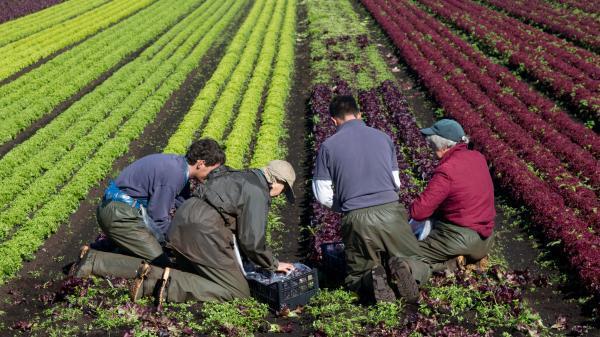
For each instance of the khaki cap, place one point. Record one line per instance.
(283, 172)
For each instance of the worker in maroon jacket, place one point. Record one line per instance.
(459, 199)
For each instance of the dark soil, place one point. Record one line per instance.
(297, 116)
(522, 249)
(58, 252)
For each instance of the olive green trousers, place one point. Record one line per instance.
(206, 284)
(125, 226)
(372, 233)
(447, 241)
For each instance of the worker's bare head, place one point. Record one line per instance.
(203, 156)
(343, 109)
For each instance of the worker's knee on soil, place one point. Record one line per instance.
(361, 284)
(184, 286)
(101, 263)
(138, 241)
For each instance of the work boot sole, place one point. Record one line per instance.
(381, 289)
(403, 279)
(75, 270)
(137, 286)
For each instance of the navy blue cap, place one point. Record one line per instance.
(446, 128)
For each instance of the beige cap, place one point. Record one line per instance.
(283, 172)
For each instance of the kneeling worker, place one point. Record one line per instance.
(134, 212)
(356, 173)
(460, 197)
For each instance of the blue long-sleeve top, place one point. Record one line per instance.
(161, 179)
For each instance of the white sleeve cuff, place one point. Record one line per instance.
(396, 175)
(323, 191)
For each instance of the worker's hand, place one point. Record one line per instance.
(284, 267)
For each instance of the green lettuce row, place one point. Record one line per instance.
(46, 186)
(65, 130)
(62, 63)
(27, 239)
(220, 115)
(22, 53)
(38, 92)
(332, 21)
(267, 147)
(272, 130)
(184, 135)
(238, 142)
(43, 151)
(16, 29)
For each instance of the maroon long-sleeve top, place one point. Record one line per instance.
(461, 192)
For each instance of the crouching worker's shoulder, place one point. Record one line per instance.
(214, 198)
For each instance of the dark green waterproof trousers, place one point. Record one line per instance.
(125, 226)
(375, 232)
(207, 284)
(447, 241)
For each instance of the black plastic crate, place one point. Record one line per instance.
(292, 292)
(333, 263)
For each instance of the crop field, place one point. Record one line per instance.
(89, 86)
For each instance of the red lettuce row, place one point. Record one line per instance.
(408, 131)
(510, 86)
(324, 222)
(528, 52)
(12, 9)
(577, 27)
(576, 157)
(569, 186)
(549, 212)
(543, 126)
(584, 5)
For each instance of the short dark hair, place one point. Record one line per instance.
(341, 106)
(205, 149)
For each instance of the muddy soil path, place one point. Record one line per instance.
(43, 273)
(293, 215)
